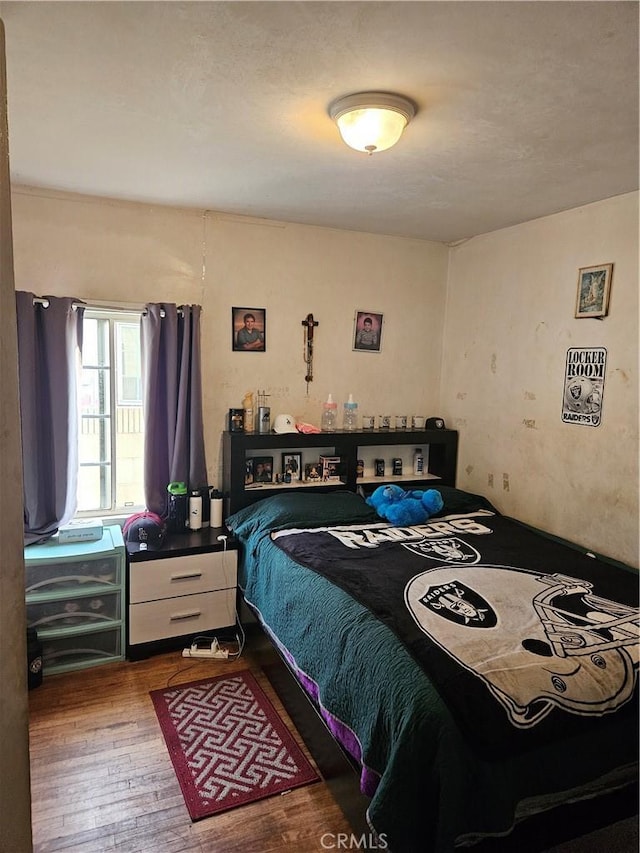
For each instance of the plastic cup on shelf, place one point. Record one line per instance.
(368, 422)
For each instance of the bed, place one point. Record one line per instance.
(478, 671)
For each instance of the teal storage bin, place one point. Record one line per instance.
(75, 599)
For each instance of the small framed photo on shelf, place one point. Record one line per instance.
(291, 467)
(263, 469)
(367, 331)
(330, 468)
(313, 472)
(248, 472)
(249, 329)
(594, 285)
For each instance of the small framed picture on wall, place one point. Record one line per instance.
(249, 329)
(367, 331)
(594, 285)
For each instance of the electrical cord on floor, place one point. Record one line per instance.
(217, 647)
(218, 644)
(178, 672)
(240, 639)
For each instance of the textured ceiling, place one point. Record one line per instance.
(524, 109)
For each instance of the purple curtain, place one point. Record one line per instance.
(172, 401)
(49, 356)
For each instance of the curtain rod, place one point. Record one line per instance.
(133, 310)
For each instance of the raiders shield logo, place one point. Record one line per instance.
(449, 550)
(457, 603)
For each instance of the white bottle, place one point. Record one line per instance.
(195, 511)
(418, 461)
(350, 414)
(216, 509)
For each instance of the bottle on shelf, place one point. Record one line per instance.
(178, 518)
(195, 510)
(350, 414)
(329, 415)
(247, 405)
(215, 517)
(418, 461)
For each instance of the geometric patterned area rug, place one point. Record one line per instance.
(227, 743)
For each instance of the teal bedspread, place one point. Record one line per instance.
(429, 790)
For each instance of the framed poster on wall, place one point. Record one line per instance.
(367, 331)
(594, 286)
(249, 329)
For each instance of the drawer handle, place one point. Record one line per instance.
(185, 576)
(175, 617)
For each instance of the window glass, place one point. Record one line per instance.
(95, 396)
(94, 480)
(95, 341)
(111, 438)
(128, 364)
(94, 441)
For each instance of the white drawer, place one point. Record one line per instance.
(152, 580)
(187, 614)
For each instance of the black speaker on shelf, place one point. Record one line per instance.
(435, 423)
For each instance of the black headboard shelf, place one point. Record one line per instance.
(440, 448)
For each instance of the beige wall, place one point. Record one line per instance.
(105, 250)
(15, 803)
(506, 327)
(509, 323)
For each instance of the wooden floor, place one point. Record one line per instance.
(101, 777)
(102, 780)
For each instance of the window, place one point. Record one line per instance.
(128, 374)
(111, 440)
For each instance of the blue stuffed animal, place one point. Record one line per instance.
(403, 508)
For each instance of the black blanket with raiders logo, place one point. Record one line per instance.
(526, 639)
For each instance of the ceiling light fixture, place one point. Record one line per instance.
(371, 121)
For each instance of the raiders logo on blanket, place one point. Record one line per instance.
(459, 604)
(547, 639)
(449, 550)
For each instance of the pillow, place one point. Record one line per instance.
(301, 510)
(328, 509)
(455, 500)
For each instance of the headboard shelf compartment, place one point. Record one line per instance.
(439, 446)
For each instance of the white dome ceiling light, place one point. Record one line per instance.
(371, 121)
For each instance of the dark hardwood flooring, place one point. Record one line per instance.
(102, 780)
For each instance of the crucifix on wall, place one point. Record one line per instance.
(309, 325)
